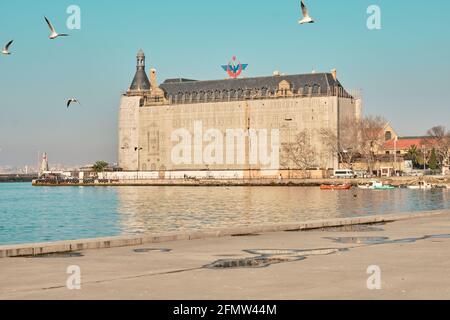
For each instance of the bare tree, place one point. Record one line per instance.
(357, 138)
(439, 138)
(345, 144)
(370, 138)
(301, 154)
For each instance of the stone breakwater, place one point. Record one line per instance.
(17, 177)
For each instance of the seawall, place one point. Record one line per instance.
(396, 181)
(125, 241)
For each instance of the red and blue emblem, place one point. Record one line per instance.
(234, 68)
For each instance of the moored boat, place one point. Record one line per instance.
(336, 186)
(422, 185)
(375, 185)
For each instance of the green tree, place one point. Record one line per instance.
(433, 163)
(413, 154)
(100, 166)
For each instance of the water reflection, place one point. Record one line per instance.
(30, 214)
(159, 209)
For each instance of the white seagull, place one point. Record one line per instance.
(5, 50)
(73, 100)
(54, 34)
(306, 17)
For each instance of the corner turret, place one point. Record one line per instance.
(140, 83)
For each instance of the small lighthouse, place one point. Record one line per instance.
(44, 164)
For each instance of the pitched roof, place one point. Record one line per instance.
(140, 81)
(323, 80)
(407, 142)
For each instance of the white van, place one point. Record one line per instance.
(344, 174)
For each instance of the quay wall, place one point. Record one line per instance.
(33, 249)
(139, 179)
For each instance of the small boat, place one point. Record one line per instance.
(375, 185)
(336, 187)
(422, 185)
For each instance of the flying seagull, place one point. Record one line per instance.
(306, 17)
(54, 34)
(6, 48)
(73, 100)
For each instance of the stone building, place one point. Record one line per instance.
(151, 114)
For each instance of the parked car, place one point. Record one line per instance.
(344, 174)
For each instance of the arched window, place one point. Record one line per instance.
(388, 136)
(264, 92)
(224, 94)
(306, 90)
(316, 89)
(180, 96)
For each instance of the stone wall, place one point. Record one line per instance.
(150, 128)
(128, 133)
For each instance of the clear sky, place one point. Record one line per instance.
(403, 69)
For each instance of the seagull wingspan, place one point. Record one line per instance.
(8, 45)
(73, 100)
(304, 10)
(50, 25)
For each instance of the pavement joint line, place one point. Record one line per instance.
(137, 276)
(33, 249)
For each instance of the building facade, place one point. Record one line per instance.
(154, 118)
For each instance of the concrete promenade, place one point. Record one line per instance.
(412, 254)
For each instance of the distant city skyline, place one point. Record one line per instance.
(403, 69)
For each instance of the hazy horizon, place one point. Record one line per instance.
(403, 69)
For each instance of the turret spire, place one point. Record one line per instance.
(140, 82)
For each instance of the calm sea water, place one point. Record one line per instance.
(39, 214)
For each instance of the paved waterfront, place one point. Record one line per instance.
(412, 267)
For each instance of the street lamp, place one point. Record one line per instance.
(395, 156)
(137, 149)
(424, 163)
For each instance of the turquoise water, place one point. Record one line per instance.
(40, 214)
